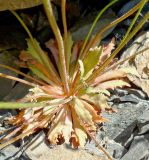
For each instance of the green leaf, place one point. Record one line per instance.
(18, 4)
(100, 100)
(82, 113)
(91, 60)
(48, 103)
(37, 53)
(32, 51)
(15, 105)
(39, 74)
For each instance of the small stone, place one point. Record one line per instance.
(126, 113)
(18, 92)
(6, 84)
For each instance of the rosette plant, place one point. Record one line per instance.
(69, 87)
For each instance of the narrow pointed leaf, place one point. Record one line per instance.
(15, 105)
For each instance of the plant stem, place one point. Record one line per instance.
(106, 63)
(96, 142)
(44, 59)
(93, 26)
(23, 74)
(17, 79)
(52, 21)
(63, 12)
(81, 53)
(95, 41)
(133, 21)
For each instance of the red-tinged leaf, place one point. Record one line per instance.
(99, 100)
(108, 76)
(114, 74)
(96, 118)
(107, 49)
(24, 56)
(83, 114)
(113, 84)
(38, 73)
(53, 90)
(42, 69)
(62, 127)
(52, 45)
(79, 136)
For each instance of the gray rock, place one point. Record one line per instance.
(129, 98)
(79, 32)
(138, 149)
(143, 122)
(127, 7)
(146, 157)
(138, 93)
(9, 153)
(113, 148)
(19, 91)
(127, 113)
(127, 95)
(126, 136)
(6, 84)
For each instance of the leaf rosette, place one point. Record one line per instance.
(69, 91)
